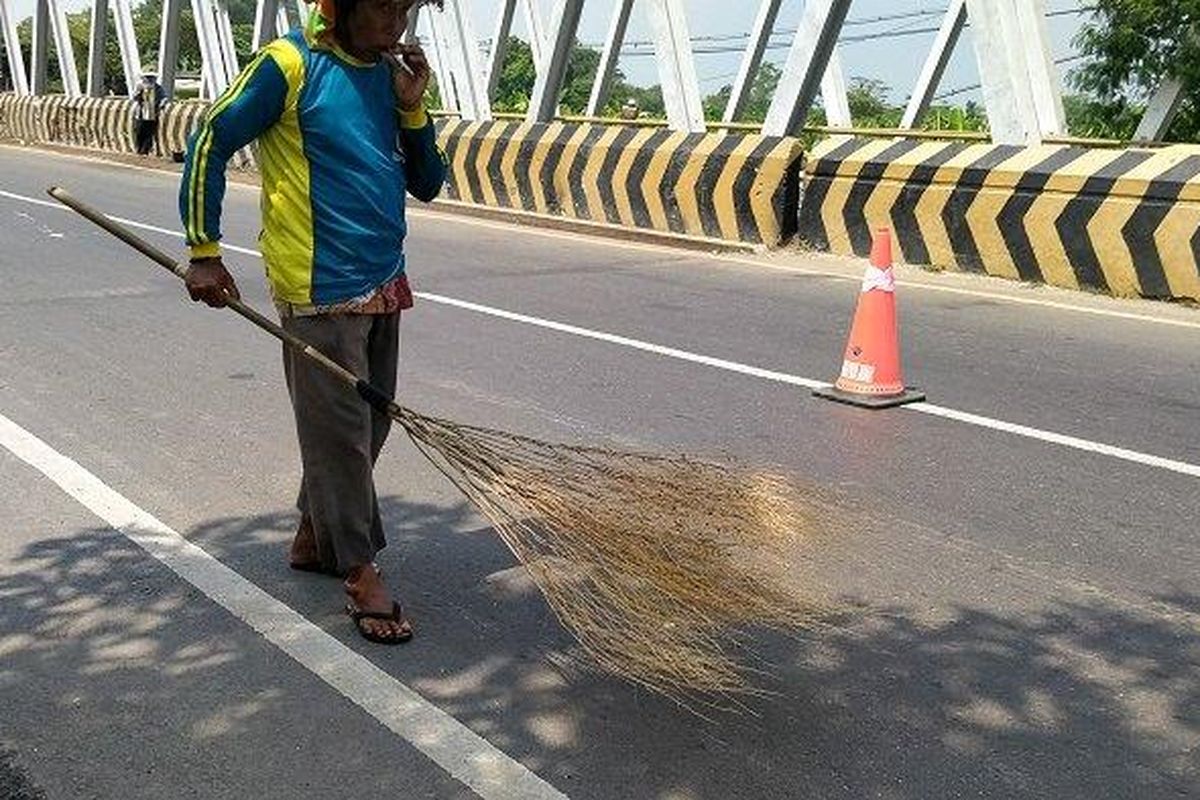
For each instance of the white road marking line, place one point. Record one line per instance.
(624, 341)
(1169, 464)
(36, 201)
(1053, 304)
(1050, 437)
(792, 269)
(664, 250)
(466, 756)
(132, 223)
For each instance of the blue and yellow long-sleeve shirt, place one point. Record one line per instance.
(336, 159)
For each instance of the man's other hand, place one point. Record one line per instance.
(410, 75)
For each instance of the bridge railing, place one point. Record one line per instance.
(1020, 81)
(822, 131)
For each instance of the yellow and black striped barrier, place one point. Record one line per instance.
(20, 118)
(104, 123)
(736, 187)
(178, 120)
(1120, 222)
(101, 123)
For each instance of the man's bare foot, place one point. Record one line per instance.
(303, 555)
(377, 616)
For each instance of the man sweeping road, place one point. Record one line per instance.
(342, 133)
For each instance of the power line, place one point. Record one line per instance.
(723, 44)
(928, 12)
(714, 48)
(973, 87)
(729, 37)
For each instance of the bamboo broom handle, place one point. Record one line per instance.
(372, 394)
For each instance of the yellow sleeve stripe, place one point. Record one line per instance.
(204, 145)
(206, 250)
(290, 61)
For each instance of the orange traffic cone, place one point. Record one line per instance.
(871, 369)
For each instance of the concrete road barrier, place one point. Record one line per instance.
(1119, 222)
(100, 123)
(736, 187)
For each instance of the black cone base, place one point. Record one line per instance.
(869, 400)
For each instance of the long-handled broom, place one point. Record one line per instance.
(657, 565)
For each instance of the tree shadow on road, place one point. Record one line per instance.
(1063, 699)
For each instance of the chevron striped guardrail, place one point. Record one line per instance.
(178, 121)
(19, 117)
(1121, 222)
(102, 123)
(735, 187)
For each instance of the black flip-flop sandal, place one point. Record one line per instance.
(395, 615)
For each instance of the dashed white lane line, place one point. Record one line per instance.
(1049, 437)
(467, 757)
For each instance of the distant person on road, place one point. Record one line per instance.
(149, 97)
(338, 112)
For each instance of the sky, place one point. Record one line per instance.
(896, 60)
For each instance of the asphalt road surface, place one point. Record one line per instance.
(1020, 574)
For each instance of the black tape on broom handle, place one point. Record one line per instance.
(378, 398)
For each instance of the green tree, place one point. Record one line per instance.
(581, 74)
(869, 107)
(1131, 47)
(970, 117)
(78, 26)
(1090, 117)
(715, 103)
(518, 75)
(147, 22)
(648, 99)
(757, 102)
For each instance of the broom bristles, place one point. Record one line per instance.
(658, 566)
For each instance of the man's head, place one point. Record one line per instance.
(373, 27)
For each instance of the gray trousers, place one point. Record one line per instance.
(340, 435)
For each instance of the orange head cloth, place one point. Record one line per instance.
(321, 19)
